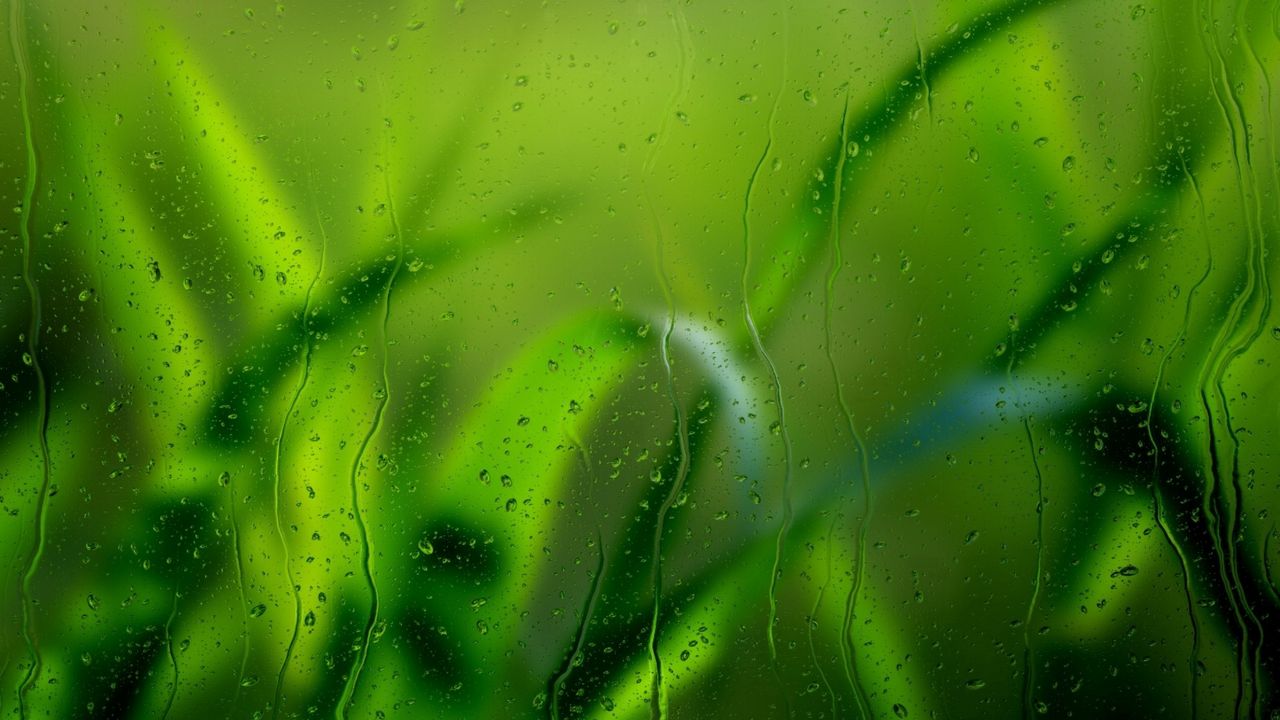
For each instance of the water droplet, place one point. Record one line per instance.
(1068, 163)
(976, 684)
(900, 710)
(1126, 571)
(258, 610)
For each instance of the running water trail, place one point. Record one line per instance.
(657, 690)
(836, 263)
(31, 358)
(362, 653)
(1258, 294)
(923, 62)
(1028, 653)
(593, 595)
(308, 348)
(173, 658)
(1161, 512)
(1227, 347)
(244, 600)
(812, 622)
(748, 318)
(1157, 496)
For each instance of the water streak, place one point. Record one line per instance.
(812, 622)
(173, 658)
(923, 62)
(244, 601)
(1028, 654)
(593, 595)
(362, 652)
(17, 40)
(658, 698)
(860, 447)
(308, 349)
(1157, 497)
(763, 354)
(1227, 347)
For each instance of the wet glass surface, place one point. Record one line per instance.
(639, 359)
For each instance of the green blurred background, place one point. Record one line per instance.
(639, 359)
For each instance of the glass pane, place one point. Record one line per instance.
(639, 359)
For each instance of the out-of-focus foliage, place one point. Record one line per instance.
(639, 359)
